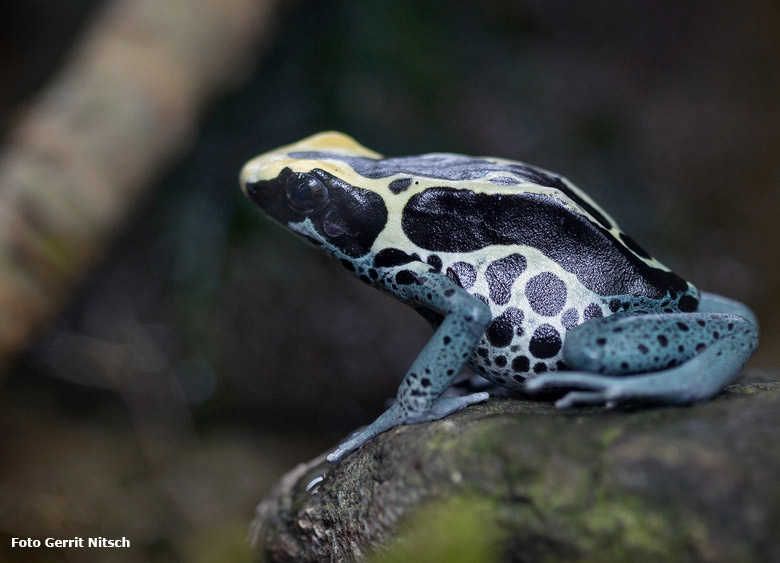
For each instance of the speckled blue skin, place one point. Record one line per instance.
(525, 279)
(683, 357)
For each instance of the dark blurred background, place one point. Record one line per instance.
(211, 351)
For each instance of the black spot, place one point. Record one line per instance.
(447, 340)
(425, 382)
(546, 294)
(448, 219)
(500, 361)
(730, 326)
(624, 365)
(716, 335)
(671, 363)
(463, 274)
(545, 342)
(617, 329)
(631, 243)
(434, 261)
(570, 318)
(700, 322)
(601, 341)
(540, 367)
(683, 327)
(662, 340)
(482, 352)
(519, 378)
(450, 371)
(503, 327)
(500, 276)
(687, 304)
(389, 257)
(505, 180)
(700, 346)
(614, 305)
(405, 277)
(642, 348)
(449, 292)
(400, 185)
(521, 364)
(350, 219)
(347, 264)
(373, 274)
(592, 311)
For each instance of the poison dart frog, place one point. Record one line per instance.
(525, 279)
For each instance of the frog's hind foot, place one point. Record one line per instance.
(397, 416)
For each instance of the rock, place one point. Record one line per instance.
(516, 480)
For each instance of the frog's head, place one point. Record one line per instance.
(307, 188)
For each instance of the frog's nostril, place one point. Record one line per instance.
(250, 188)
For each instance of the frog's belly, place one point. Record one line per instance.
(534, 303)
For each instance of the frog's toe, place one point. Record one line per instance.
(448, 405)
(582, 398)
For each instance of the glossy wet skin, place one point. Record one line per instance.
(505, 259)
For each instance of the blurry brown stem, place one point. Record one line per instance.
(80, 158)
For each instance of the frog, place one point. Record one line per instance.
(524, 278)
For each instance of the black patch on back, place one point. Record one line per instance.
(463, 274)
(389, 257)
(546, 294)
(501, 274)
(351, 220)
(446, 166)
(400, 185)
(445, 219)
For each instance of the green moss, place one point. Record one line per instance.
(460, 529)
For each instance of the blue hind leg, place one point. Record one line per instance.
(666, 358)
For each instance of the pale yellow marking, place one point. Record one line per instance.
(267, 166)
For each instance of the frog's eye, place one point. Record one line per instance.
(305, 193)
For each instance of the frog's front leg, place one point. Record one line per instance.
(465, 319)
(668, 358)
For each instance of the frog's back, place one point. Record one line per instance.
(530, 244)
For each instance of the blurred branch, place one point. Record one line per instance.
(81, 157)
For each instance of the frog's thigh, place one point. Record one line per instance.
(711, 347)
(714, 303)
(465, 319)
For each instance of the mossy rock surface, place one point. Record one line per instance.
(513, 480)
